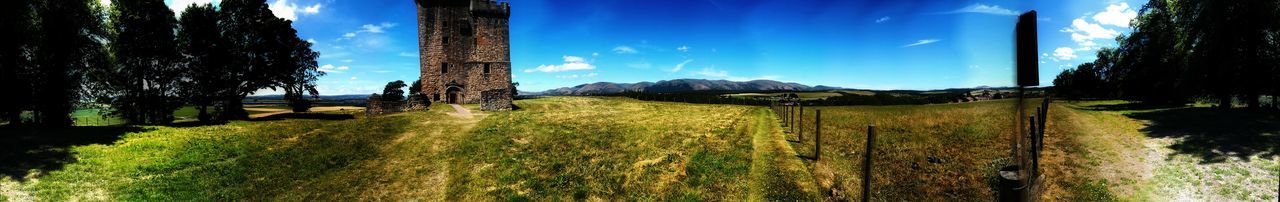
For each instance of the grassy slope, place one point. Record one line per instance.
(556, 148)
(563, 148)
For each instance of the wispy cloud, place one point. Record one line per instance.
(683, 49)
(883, 19)
(624, 50)
(680, 66)
(985, 9)
(370, 28)
(922, 42)
(332, 69)
(408, 54)
(570, 63)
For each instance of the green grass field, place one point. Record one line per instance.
(604, 148)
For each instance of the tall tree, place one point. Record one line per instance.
(298, 63)
(205, 53)
(142, 84)
(264, 50)
(393, 92)
(17, 20)
(72, 43)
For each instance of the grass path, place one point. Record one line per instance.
(776, 171)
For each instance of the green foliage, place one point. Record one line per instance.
(18, 22)
(393, 92)
(1183, 49)
(204, 53)
(142, 83)
(71, 33)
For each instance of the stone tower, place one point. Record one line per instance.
(465, 54)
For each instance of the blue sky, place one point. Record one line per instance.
(905, 44)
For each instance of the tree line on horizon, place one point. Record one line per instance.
(1182, 51)
(142, 62)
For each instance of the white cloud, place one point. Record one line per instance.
(349, 35)
(408, 54)
(594, 54)
(289, 11)
(883, 19)
(683, 48)
(312, 41)
(370, 28)
(332, 69)
(312, 9)
(680, 66)
(1116, 14)
(570, 63)
(922, 42)
(1082, 31)
(179, 5)
(624, 50)
(1064, 53)
(985, 9)
(353, 78)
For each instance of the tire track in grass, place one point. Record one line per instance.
(778, 175)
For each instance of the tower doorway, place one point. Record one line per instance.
(453, 95)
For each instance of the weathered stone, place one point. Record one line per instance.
(465, 51)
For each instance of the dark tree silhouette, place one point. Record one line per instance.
(204, 52)
(1184, 49)
(142, 84)
(393, 91)
(17, 21)
(72, 43)
(263, 47)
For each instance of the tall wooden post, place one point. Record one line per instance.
(866, 163)
(817, 135)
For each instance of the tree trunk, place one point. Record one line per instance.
(234, 109)
(1224, 101)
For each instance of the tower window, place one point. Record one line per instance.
(446, 41)
(444, 68)
(486, 68)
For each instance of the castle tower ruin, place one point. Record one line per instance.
(465, 54)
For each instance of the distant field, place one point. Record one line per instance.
(605, 148)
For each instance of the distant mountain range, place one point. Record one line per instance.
(681, 85)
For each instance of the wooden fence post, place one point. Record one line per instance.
(866, 163)
(817, 135)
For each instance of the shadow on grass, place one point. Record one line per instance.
(314, 116)
(23, 150)
(1214, 134)
(1208, 133)
(1130, 106)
